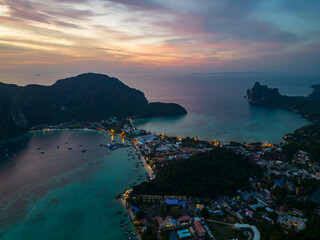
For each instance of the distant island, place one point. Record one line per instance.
(308, 107)
(86, 97)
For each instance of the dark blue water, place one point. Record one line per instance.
(218, 109)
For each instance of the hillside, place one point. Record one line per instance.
(210, 174)
(86, 97)
(306, 138)
(308, 107)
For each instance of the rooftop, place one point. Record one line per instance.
(183, 233)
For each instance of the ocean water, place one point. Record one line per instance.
(217, 106)
(66, 194)
(62, 193)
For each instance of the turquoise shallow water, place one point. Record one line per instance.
(64, 194)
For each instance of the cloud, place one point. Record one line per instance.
(157, 34)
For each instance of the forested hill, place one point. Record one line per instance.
(308, 107)
(85, 97)
(210, 174)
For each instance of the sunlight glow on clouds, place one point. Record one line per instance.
(157, 35)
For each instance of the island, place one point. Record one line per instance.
(216, 190)
(196, 189)
(86, 97)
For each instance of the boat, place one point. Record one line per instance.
(117, 213)
(83, 151)
(113, 147)
(42, 152)
(69, 148)
(80, 145)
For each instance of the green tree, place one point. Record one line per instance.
(140, 214)
(163, 211)
(205, 213)
(164, 236)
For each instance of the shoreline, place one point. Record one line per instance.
(146, 165)
(130, 215)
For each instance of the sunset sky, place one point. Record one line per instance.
(39, 37)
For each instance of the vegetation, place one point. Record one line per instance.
(194, 143)
(210, 174)
(308, 107)
(87, 97)
(221, 231)
(205, 213)
(306, 139)
(148, 235)
(140, 215)
(312, 231)
(270, 231)
(276, 232)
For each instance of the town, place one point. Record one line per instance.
(277, 203)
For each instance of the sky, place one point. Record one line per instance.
(44, 39)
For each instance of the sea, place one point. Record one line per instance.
(218, 108)
(51, 189)
(54, 193)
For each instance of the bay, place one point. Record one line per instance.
(64, 193)
(218, 108)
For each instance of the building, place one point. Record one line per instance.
(199, 229)
(256, 233)
(172, 202)
(183, 234)
(184, 220)
(152, 197)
